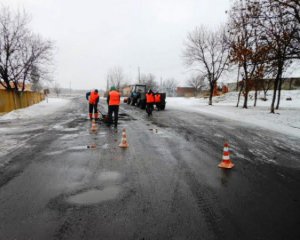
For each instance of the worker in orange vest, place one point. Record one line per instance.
(113, 101)
(157, 99)
(93, 98)
(149, 102)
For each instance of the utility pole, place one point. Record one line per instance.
(107, 83)
(139, 74)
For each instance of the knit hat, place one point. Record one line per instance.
(112, 88)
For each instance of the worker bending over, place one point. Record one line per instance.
(93, 98)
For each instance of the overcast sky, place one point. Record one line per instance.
(92, 36)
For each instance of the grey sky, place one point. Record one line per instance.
(93, 36)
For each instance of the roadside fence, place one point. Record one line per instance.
(10, 100)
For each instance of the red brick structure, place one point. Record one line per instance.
(185, 91)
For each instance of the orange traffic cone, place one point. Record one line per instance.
(226, 162)
(94, 126)
(124, 143)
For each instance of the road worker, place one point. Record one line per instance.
(113, 101)
(93, 98)
(157, 100)
(149, 102)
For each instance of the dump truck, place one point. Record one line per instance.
(137, 97)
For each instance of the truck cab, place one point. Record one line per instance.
(138, 95)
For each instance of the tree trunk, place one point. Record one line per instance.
(246, 95)
(255, 97)
(242, 88)
(275, 90)
(237, 81)
(265, 95)
(279, 93)
(211, 93)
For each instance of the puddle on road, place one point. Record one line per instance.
(71, 136)
(95, 196)
(54, 153)
(91, 146)
(77, 148)
(109, 176)
(69, 129)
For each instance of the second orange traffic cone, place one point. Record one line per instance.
(124, 143)
(226, 162)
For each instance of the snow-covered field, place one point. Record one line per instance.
(286, 120)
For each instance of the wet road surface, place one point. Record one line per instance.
(68, 182)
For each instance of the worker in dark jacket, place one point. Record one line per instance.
(93, 98)
(113, 101)
(149, 102)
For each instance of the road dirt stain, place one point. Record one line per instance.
(95, 196)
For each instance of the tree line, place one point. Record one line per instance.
(261, 39)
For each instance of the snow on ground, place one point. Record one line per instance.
(43, 108)
(286, 120)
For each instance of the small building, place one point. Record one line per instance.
(185, 91)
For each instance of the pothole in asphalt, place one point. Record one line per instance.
(109, 176)
(125, 117)
(95, 196)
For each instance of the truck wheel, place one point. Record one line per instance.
(162, 107)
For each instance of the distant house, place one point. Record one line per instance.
(185, 91)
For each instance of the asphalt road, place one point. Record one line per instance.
(166, 185)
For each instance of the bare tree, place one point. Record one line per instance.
(20, 50)
(35, 80)
(246, 50)
(209, 52)
(115, 76)
(169, 86)
(57, 89)
(149, 80)
(197, 82)
(279, 30)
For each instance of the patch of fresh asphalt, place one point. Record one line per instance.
(166, 185)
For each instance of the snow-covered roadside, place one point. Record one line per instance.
(286, 120)
(43, 108)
